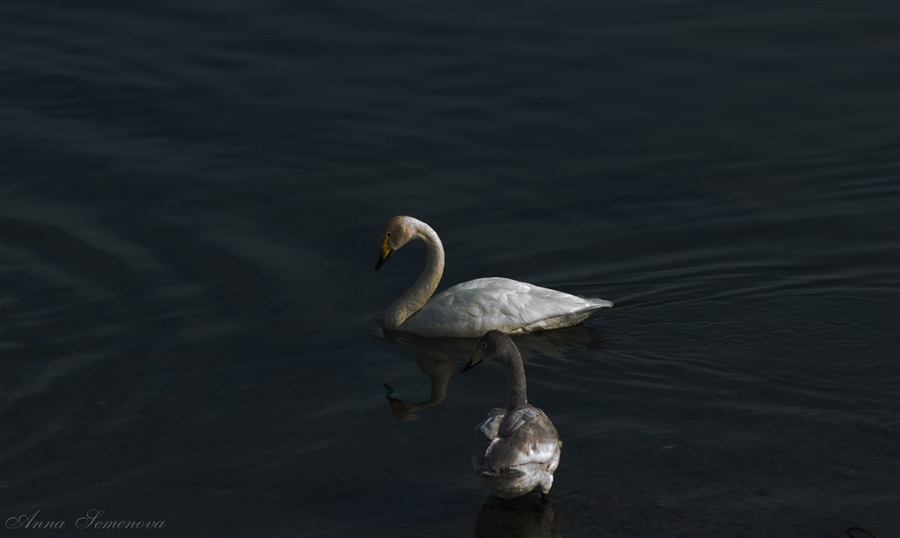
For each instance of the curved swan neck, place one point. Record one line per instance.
(516, 390)
(415, 297)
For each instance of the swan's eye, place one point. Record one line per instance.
(484, 344)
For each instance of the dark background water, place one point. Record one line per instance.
(192, 196)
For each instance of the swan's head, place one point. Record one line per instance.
(492, 345)
(397, 232)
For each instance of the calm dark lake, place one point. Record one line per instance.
(192, 201)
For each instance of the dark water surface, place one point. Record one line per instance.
(192, 197)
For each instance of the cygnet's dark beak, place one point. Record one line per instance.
(474, 361)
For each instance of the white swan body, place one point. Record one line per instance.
(517, 448)
(471, 309)
(475, 307)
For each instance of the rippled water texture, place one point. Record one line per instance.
(192, 196)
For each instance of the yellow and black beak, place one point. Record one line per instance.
(386, 251)
(474, 361)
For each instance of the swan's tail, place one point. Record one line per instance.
(596, 304)
(568, 319)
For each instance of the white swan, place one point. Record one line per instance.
(517, 448)
(471, 309)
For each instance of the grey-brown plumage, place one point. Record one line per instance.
(517, 448)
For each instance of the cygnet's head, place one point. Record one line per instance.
(397, 232)
(492, 345)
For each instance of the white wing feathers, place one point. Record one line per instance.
(483, 304)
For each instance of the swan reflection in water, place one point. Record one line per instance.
(438, 371)
(520, 517)
(437, 365)
(441, 357)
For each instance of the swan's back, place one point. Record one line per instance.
(477, 306)
(516, 451)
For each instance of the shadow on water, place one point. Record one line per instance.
(520, 517)
(441, 357)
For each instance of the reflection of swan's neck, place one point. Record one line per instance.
(415, 297)
(439, 373)
(515, 381)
